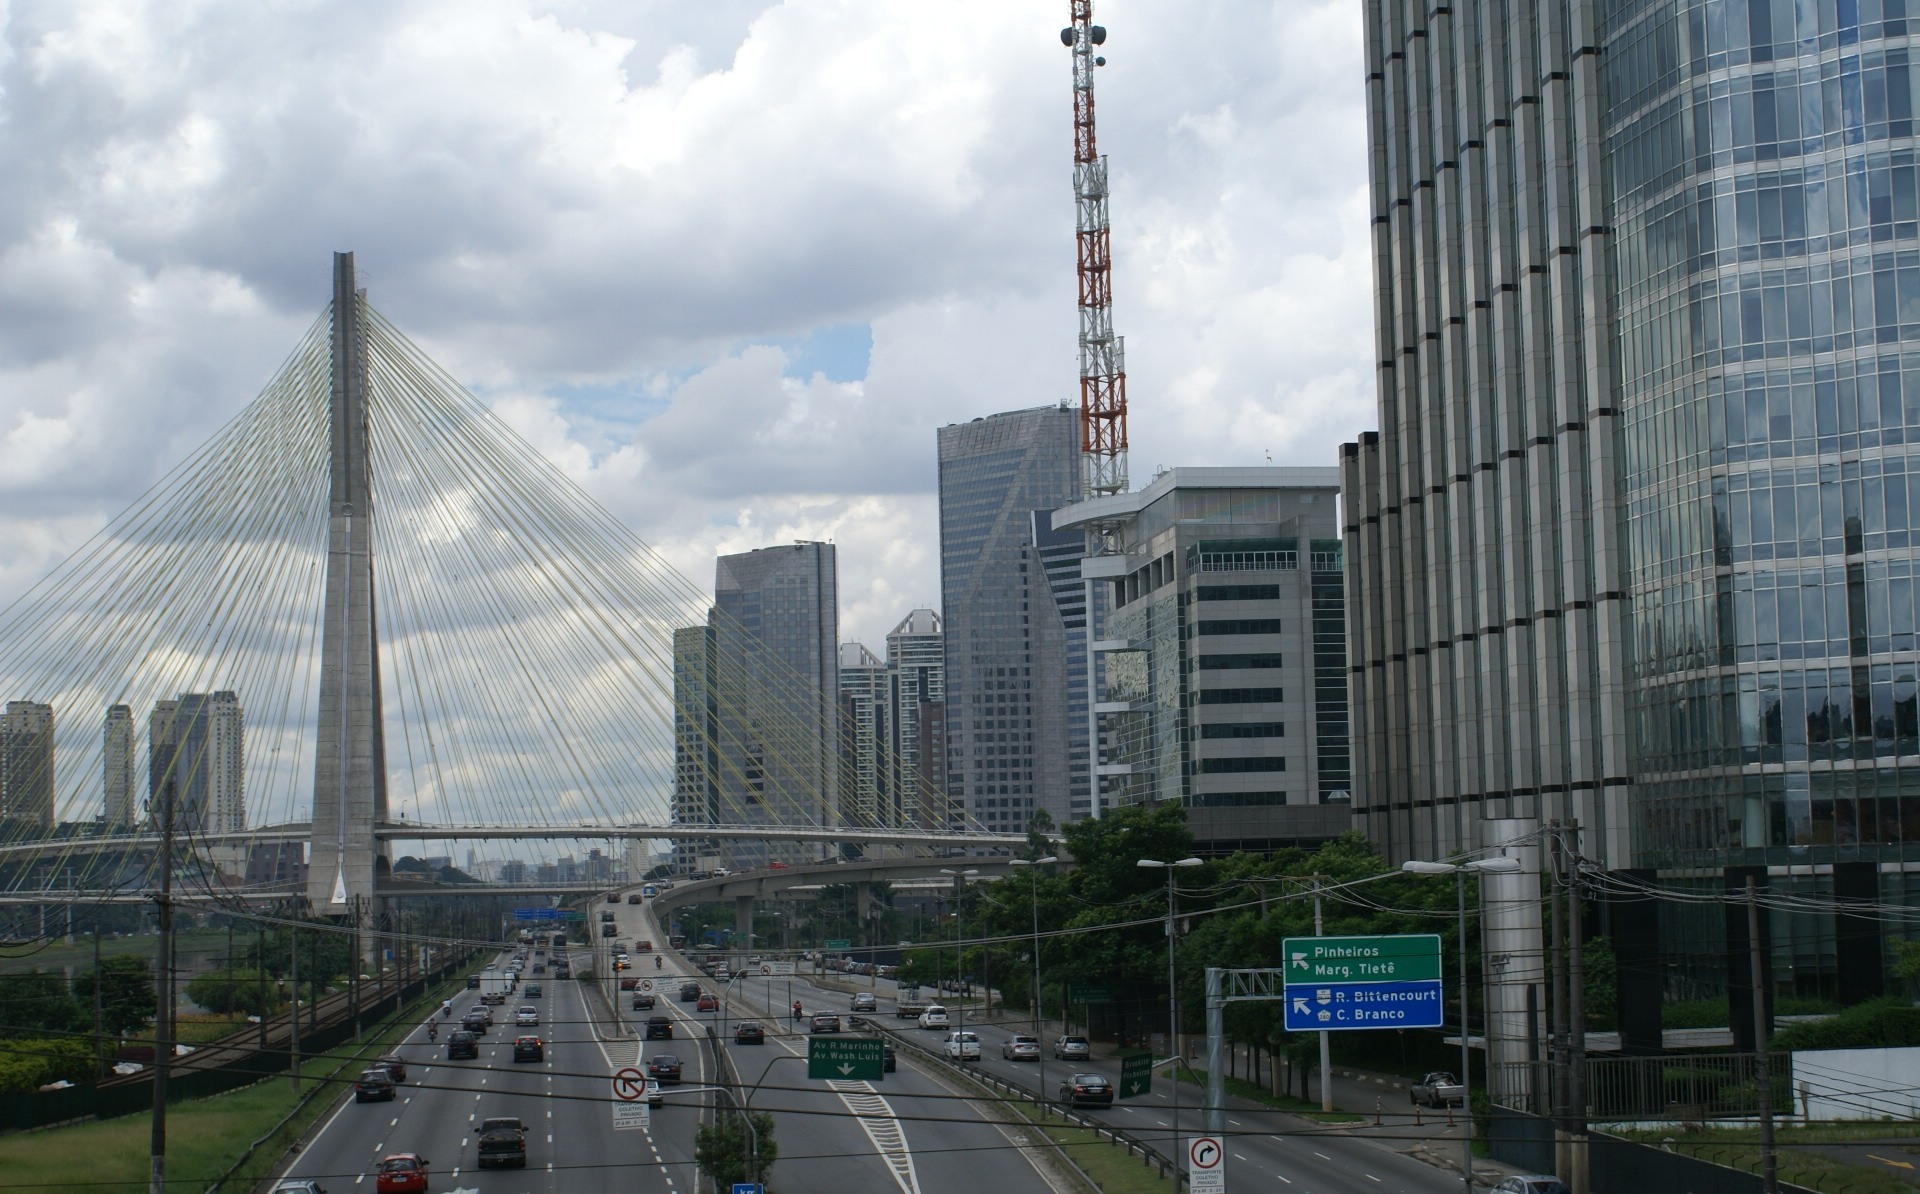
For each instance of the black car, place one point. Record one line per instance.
(503, 1142)
(463, 1045)
(689, 992)
(529, 1048)
(659, 1028)
(749, 1034)
(373, 1086)
(890, 1063)
(477, 1023)
(533, 991)
(664, 1068)
(642, 1001)
(1086, 1090)
(473, 982)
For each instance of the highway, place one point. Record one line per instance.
(1266, 1150)
(908, 1132)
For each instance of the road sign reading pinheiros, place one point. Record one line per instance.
(1338, 983)
(849, 1058)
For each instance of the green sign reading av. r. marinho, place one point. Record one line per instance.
(850, 1058)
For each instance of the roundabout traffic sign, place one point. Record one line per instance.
(629, 1085)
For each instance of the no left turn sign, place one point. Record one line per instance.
(629, 1085)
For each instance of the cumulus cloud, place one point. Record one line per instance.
(611, 220)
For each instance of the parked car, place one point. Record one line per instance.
(1086, 1090)
(1072, 1048)
(642, 1001)
(463, 1045)
(1438, 1089)
(1020, 1048)
(749, 1034)
(826, 1022)
(659, 1028)
(394, 1065)
(708, 1002)
(935, 1017)
(526, 1016)
(963, 1046)
(1531, 1183)
(664, 1068)
(401, 1173)
(529, 1048)
(373, 1086)
(865, 1002)
(503, 1141)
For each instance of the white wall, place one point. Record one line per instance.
(1857, 1083)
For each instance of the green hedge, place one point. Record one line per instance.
(1878, 1024)
(28, 1064)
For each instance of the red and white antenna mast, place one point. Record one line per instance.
(1103, 368)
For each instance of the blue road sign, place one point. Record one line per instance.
(1363, 1005)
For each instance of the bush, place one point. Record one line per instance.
(29, 1064)
(1890, 1023)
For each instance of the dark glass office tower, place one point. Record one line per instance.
(1631, 543)
(1015, 622)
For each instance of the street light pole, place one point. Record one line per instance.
(1173, 1019)
(960, 930)
(1459, 873)
(1033, 890)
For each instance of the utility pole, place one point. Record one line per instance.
(1576, 1013)
(293, 1009)
(99, 1006)
(1557, 1008)
(163, 1024)
(1762, 1069)
(1326, 1045)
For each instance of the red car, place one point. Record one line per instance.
(402, 1173)
(707, 1003)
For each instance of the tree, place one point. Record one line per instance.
(721, 1148)
(127, 999)
(234, 990)
(38, 1004)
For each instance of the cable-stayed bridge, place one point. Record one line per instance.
(366, 615)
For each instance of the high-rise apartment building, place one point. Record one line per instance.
(26, 764)
(1632, 544)
(864, 738)
(117, 783)
(1011, 629)
(916, 719)
(197, 758)
(1223, 638)
(757, 700)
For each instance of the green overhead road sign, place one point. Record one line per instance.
(1136, 1075)
(1089, 992)
(839, 943)
(851, 1058)
(1407, 957)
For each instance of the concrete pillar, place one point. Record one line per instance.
(743, 919)
(349, 772)
(1513, 961)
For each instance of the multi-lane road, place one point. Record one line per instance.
(914, 1131)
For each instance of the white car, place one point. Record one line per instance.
(963, 1046)
(723, 975)
(935, 1017)
(526, 1016)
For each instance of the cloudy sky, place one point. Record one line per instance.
(730, 263)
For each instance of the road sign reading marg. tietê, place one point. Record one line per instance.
(1407, 957)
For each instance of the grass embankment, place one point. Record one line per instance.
(1112, 1169)
(195, 949)
(1799, 1162)
(1240, 1088)
(204, 1136)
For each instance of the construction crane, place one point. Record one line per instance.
(1103, 369)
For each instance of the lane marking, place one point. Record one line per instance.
(876, 1118)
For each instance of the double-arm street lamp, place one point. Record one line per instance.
(1033, 890)
(1173, 1021)
(1459, 871)
(960, 926)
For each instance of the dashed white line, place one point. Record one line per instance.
(1370, 1177)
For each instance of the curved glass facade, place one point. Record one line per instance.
(1766, 269)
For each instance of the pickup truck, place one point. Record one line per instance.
(1438, 1089)
(503, 1142)
(909, 1005)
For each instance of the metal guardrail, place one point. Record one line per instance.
(1149, 1154)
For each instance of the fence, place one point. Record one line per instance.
(1685, 1088)
(1617, 1166)
(219, 1067)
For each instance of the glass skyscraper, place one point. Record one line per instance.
(1631, 544)
(1013, 604)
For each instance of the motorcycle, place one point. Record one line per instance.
(797, 1013)
(433, 1030)
(656, 963)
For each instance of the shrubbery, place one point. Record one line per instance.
(1890, 1023)
(28, 1064)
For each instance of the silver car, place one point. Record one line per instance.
(1072, 1048)
(1531, 1183)
(1021, 1048)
